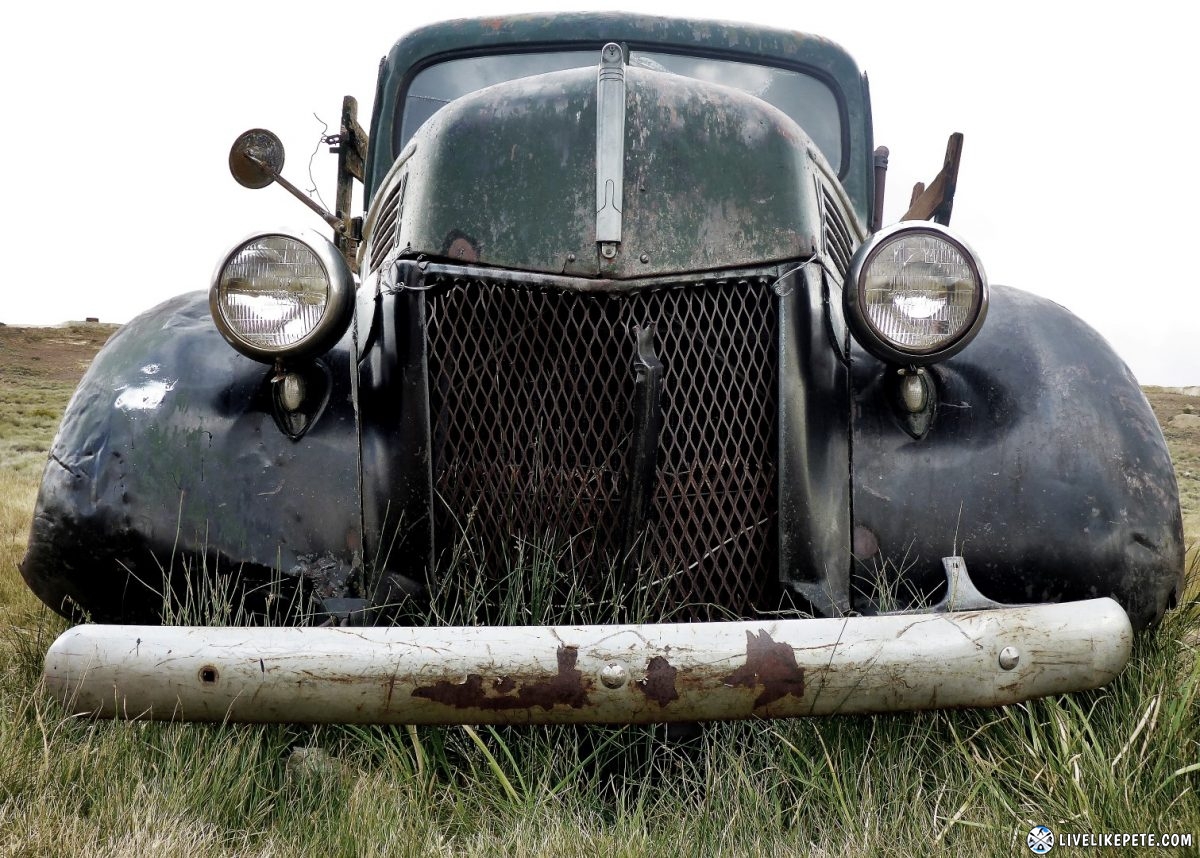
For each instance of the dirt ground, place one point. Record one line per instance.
(58, 354)
(1179, 416)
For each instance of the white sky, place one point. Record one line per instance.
(1078, 178)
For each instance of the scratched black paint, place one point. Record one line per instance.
(201, 482)
(1044, 468)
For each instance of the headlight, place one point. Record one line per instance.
(280, 295)
(916, 294)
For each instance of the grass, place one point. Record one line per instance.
(1122, 759)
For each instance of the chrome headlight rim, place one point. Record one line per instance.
(338, 306)
(864, 329)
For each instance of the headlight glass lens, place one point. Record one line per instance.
(920, 292)
(273, 292)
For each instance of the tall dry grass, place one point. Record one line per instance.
(1122, 759)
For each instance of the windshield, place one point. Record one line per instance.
(807, 100)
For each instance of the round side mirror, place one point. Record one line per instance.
(256, 158)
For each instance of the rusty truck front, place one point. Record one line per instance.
(621, 302)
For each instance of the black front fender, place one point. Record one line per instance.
(1044, 467)
(169, 463)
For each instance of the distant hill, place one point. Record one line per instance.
(59, 353)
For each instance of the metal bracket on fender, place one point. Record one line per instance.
(596, 674)
(961, 593)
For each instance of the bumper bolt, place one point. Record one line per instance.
(1009, 658)
(613, 675)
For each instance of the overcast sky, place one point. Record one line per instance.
(1078, 177)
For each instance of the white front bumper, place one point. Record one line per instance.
(598, 674)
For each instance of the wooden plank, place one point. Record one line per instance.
(937, 200)
(356, 137)
(352, 153)
(918, 189)
(927, 205)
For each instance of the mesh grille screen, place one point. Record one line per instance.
(531, 399)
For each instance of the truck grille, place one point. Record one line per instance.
(531, 400)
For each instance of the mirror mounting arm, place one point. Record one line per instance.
(256, 160)
(339, 226)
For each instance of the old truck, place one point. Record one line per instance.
(621, 333)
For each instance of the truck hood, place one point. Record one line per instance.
(713, 178)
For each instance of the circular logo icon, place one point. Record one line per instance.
(1040, 840)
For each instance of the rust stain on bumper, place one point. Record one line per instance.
(770, 665)
(567, 687)
(659, 684)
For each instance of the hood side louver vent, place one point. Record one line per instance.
(837, 238)
(386, 233)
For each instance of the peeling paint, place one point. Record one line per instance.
(770, 665)
(566, 687)
(143, 397)
(659, 684)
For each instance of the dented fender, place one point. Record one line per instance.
(1044, 465)
(170, 466)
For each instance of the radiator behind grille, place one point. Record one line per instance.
(531, 393)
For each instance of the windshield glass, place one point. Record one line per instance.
(805, 99)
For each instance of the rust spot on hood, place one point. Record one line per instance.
(515, 692)
(460, 247)
(659, 684)
(770, 665)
